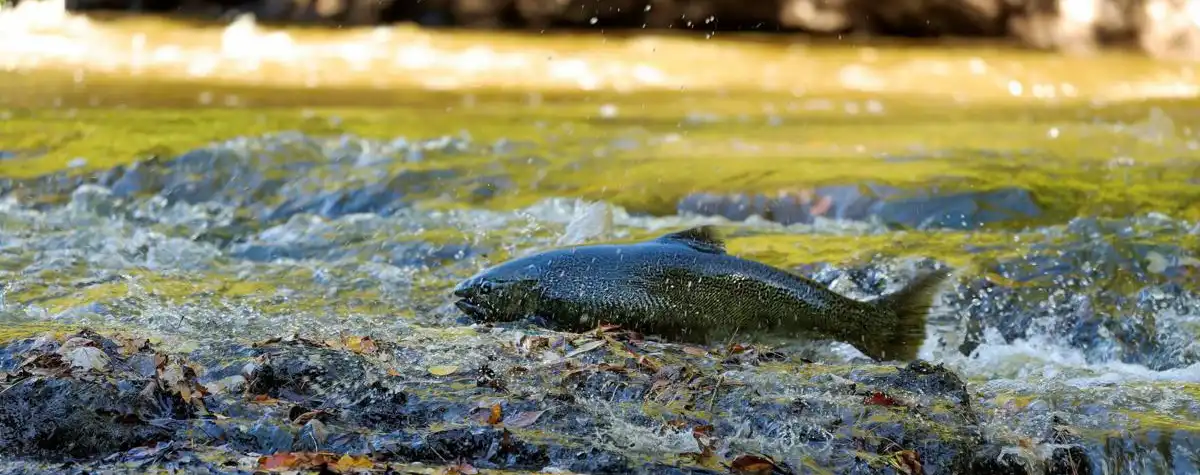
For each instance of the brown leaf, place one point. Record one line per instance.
(289, 461)
(495, 416)
(880, 399)
(282, 460)
(529, 343)
(908, 462)
(307, 416)
(523, 419)
(754, 465)
(649, 363)
(130, 346)
(43, 360)
(695, 350)
(704, 438)
(460, 469)
(736, 348)
(264, 399)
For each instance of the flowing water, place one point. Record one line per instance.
(211, 185)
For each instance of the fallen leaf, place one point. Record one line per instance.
(442, 370)
(531, 343)
(649, 363)
(365, 345)
(277, 461)
(694, 350)
(586, 348)
(265, 399)
(908, 462)
(754, 465)
(704, 439)
(42, 360)
(349, 463)
(460, 469)
(736, 348)
(87, 358)
(392, 372)
(307, 416)
(880, 399)
(130, 346)
(523, 419)
(495, 416)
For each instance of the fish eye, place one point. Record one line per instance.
(485, 287)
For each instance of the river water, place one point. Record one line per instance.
(207, 184)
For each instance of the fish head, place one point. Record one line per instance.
(504, 293)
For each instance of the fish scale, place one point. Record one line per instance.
(683, 286)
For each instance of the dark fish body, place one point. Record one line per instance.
(683, 286)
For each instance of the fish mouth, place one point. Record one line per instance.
(472, 309)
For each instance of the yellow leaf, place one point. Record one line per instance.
(442, 370)
(348, 463)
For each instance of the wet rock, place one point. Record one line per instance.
(275, 177)
(996, 460)
(1135, 316)
(380, 198)
(56, 408)
(1067, 456)
(270, 438)
(892, 206)
(487, 448)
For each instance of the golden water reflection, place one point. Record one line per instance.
(41, 45)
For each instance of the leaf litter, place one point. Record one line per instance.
(683, 383)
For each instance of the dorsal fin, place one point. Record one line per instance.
(701, 238)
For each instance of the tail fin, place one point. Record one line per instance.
(909, 307)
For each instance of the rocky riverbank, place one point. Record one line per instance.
(602, 402)
(1167, 28)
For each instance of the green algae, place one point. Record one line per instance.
(1147, 421)
(915, 142)
(17, 330)
(211, 287)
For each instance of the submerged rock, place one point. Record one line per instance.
(277, 176)
(892, 206)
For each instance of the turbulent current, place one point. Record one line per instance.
(1093, 321)
(278, 297)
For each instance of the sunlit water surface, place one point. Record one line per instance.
(254, 237)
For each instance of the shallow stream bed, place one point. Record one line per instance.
(219, 276)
